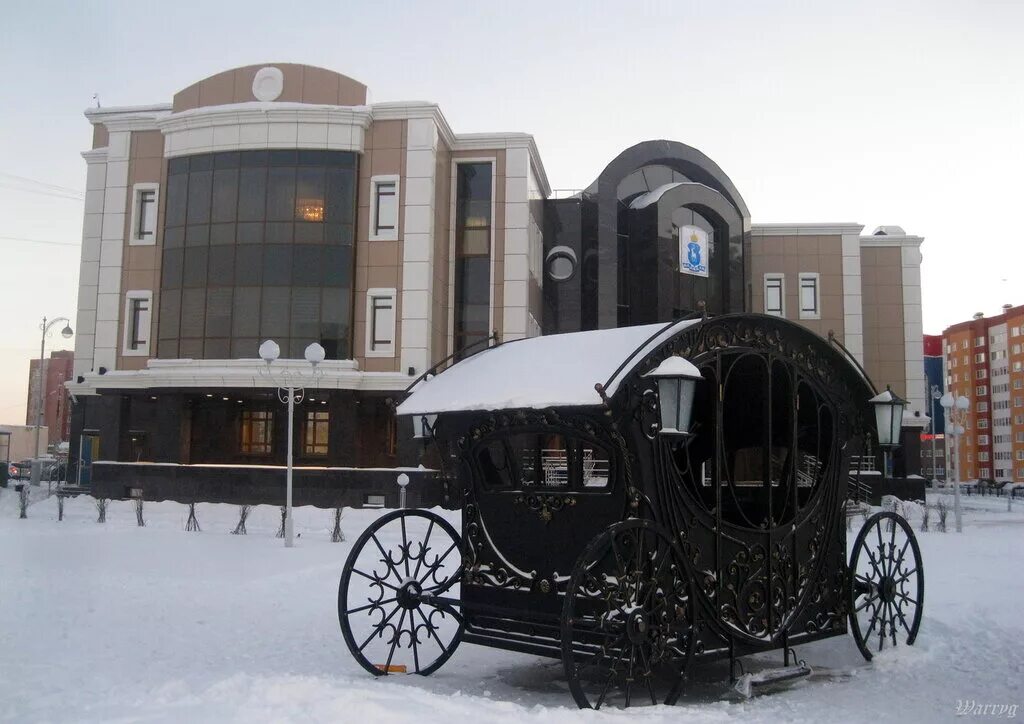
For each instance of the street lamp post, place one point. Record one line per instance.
(936, 396)
(289, 392)
(66, 333)
(956, 415)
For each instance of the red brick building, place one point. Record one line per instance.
(56, 410)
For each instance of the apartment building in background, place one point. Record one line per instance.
(984, 362)
(275, 202)
(57, 371)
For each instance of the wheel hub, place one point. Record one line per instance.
(887, 589)
(637, 627)
(408, 595)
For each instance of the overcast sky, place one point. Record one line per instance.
(907, 113)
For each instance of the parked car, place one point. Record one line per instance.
(22, 470)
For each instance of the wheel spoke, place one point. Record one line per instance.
(385, 558)
(415, 650)
(394, 641)
(437, 564)
(608, 681)
(375, 580)
(423, 550)
(629, 675)
(405, 547)
(379, 628)
(649, 675)
(867, 602)
(372, 604)
(905, 576)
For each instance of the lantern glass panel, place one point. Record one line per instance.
(686, 397)
(668, 394)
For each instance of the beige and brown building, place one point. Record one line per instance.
(275, 202)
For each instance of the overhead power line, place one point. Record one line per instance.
(39, 241)
(41, 184)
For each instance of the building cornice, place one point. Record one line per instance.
(239, 374)
(876, 241)
(128, 118)
(95, 155)
(809, 229)
(264, 112)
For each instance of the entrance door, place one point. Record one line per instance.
(88, 451)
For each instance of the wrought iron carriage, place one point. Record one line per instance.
(635, 501)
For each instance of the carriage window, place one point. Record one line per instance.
(596, 467)
(543, 461)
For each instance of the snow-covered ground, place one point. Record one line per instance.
(116, 622)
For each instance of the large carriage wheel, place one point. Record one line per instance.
(886, 584)
(386, 606)
(627, 621)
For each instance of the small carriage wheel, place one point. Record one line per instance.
(386, 598)
(627, 620)
(886, 584)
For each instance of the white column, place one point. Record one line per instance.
(517, 244)
(913, 329)
(853, 310)
(108, 299)
(418, 237)
(89, 270)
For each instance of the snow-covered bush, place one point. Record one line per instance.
(284, 515)
(243, 513)
(138, 513)
(925, 518)
(101, 508)
(192, 524)
(23, 502)
(336, 535)
(943, 511)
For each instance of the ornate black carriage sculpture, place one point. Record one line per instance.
(634, 501)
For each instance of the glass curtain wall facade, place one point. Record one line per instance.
(258, 245)
(472, 253)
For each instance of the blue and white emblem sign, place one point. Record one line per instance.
(693, 251)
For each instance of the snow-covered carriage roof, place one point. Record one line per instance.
(557, 370)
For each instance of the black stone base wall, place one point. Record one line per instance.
(902, 488)
(258, 486)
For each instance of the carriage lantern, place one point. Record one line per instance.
(677, 384)
(423, 426)
(888, 417)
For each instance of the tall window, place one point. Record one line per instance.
(384, 208)
(314, 433)
(257, 433)
(774, 294)
(472, 254)
(380, 322)
(143, 229)
(257, 245)
(810, 297)
(137, 322)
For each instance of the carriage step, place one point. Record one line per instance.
(768, 680)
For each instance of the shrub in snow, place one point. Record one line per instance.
(138, 512)
(23, 502)
(60, 507)
(284, 514)
(101, 508)
(925, 516)
(243, 513)
(336, 535)
(943, 511)
(192, 525)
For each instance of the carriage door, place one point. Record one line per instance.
(776, 444)
(542, 495)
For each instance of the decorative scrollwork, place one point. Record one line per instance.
(545, 505)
